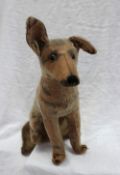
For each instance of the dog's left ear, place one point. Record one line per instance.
(36, 34)
(82, 43)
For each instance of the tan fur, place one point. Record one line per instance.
(55, 113)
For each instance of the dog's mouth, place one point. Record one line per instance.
(72, 80)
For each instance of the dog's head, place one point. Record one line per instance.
(58, 57)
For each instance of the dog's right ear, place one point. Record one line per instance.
(36, 34)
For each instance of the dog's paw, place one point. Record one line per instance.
(26, 151)
(58, 158)
(82, 149)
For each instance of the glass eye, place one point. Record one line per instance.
(73, 56)
(53, 56)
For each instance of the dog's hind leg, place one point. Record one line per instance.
(38, 133)
(27, 145)
(33, 133)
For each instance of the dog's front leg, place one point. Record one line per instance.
(74, 132)
(52, 127)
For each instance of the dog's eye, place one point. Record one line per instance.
(72, 55)
(53, 56)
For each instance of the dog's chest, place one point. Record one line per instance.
(68, 107)
(61, 104)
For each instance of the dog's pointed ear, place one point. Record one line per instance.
(82, 43)
(36, 34)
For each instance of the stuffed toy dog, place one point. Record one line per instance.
(55, 113)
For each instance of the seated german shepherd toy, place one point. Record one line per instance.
(55, 113)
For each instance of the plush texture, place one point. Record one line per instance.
(99, 21)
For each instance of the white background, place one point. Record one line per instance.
(98, 21)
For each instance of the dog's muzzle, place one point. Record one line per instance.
(71, 80)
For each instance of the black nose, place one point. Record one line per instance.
(71, 80)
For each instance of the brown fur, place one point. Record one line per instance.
(55, 113)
